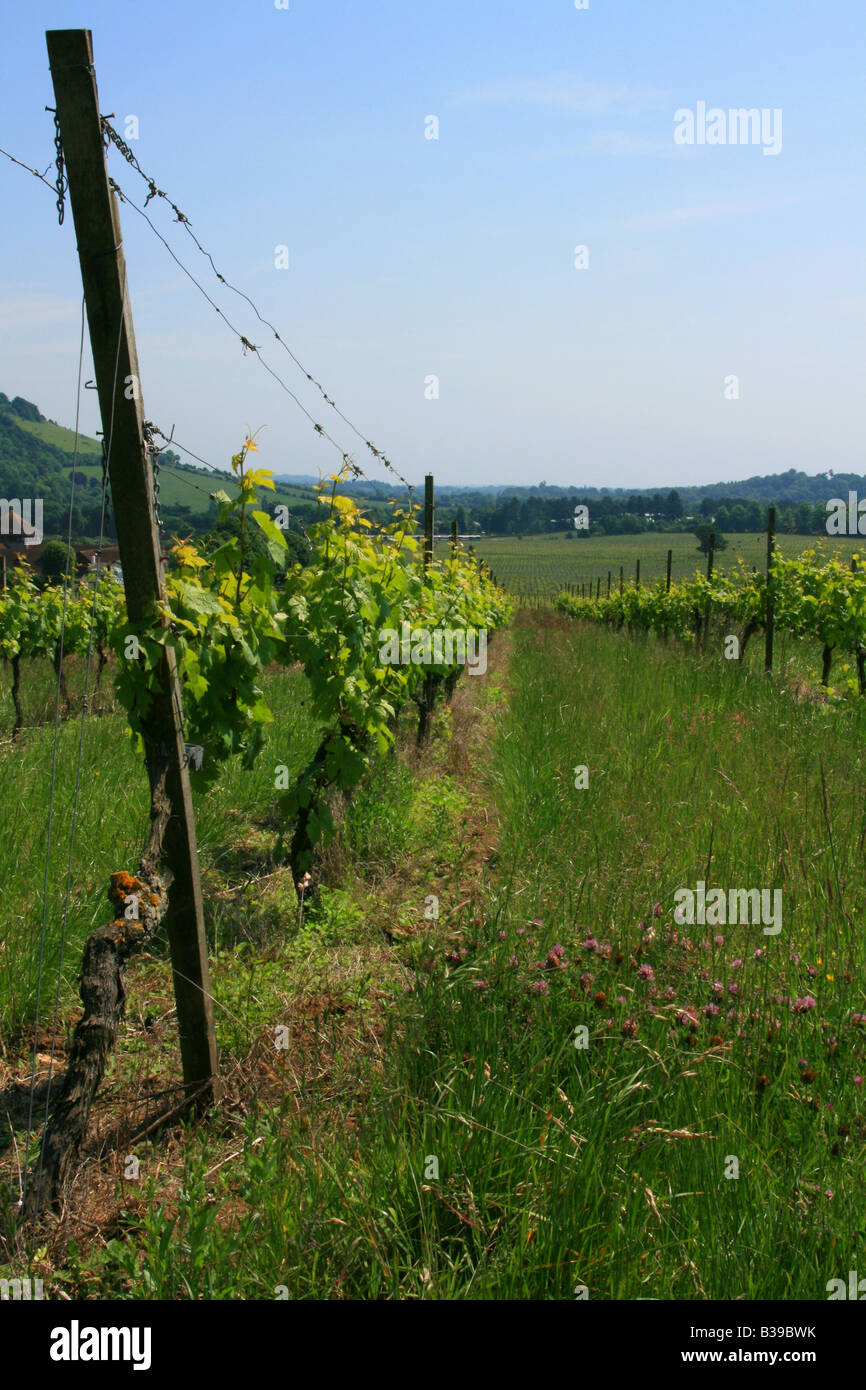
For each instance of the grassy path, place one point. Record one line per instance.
(706, 1045)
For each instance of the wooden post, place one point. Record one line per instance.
(667, 588)
(770, 618)
(598, 589)
(711, 551)
(620, 579)
(608, 583)
(428, 519)
(109, 316)
(860, 648)
(637, 575)
(428, 697)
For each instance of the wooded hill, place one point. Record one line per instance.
(36, 459)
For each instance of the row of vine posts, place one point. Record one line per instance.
(702, 621)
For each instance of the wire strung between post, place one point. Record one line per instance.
(35, 172)
(155, 192)
(59, 188)
(150, 430)
(348, 461)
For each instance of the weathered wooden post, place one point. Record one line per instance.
(770, 618)
(428, 520)
(428, 686)
(860, 647)
(711, 551)
(109, 316)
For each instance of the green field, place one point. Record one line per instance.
(537, 567)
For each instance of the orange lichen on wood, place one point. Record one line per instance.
(123, 884)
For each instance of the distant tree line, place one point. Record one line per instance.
(32, 467)
(620, 516)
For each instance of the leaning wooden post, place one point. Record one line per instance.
(770, 617)
(428, 685)
(109, 316)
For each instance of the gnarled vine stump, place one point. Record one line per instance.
(103, 995)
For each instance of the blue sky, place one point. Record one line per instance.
(411, 258)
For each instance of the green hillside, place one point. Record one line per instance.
(60, 437)
(36, 461)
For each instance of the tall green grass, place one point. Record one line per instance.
(489, 1155)
(110, 829)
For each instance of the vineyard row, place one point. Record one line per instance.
(812, 596)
